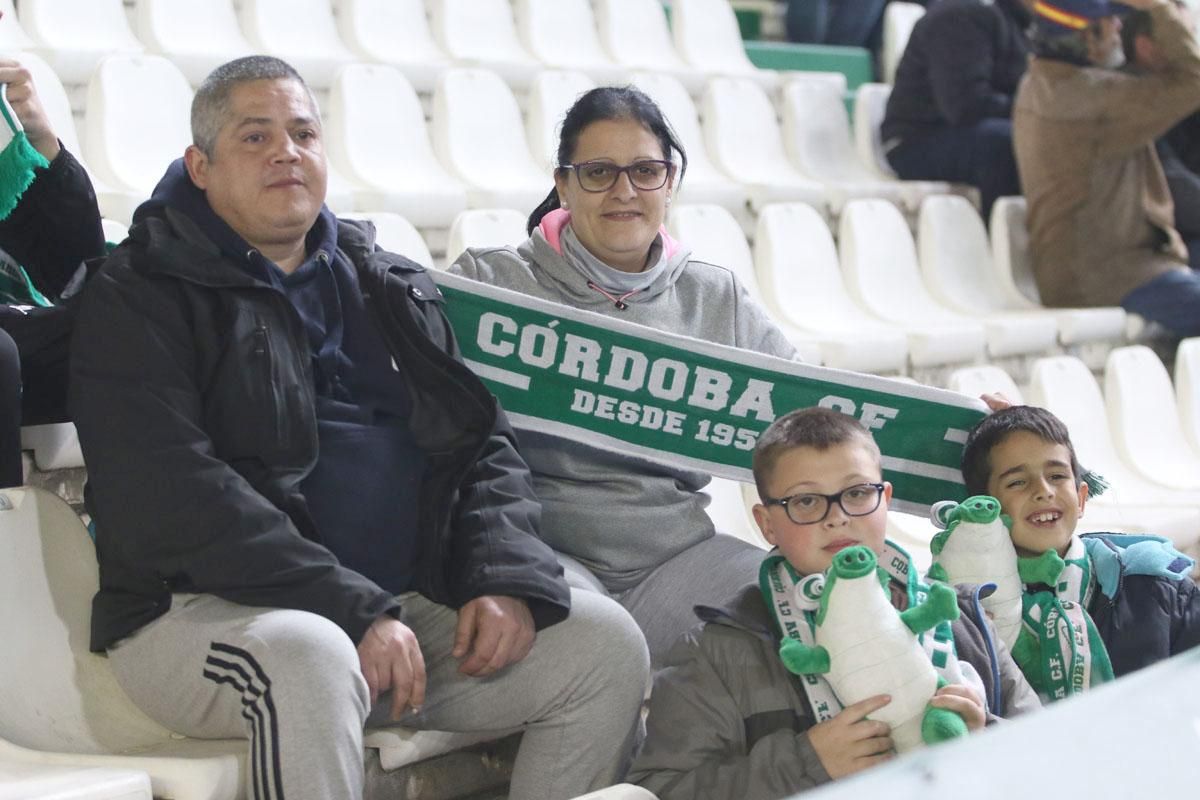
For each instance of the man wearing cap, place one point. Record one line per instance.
(949, 116)
(1100, 213)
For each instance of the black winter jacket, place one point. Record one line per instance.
(192, 389)
(962, 64)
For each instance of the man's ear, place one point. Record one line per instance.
(197, 166)
(1083, 495)
(762, 516)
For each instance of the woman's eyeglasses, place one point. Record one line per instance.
(600, 176)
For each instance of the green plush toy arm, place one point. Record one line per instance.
(940, 606)
(939, 541)
(1042, 569)
(801, 659)
(938, 573)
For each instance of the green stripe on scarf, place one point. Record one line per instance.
(678, 400)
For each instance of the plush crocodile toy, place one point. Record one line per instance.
(976, 547)
(865, 647)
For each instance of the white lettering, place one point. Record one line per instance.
(875, 417)
(668, 379)
(835, 403)
(581, 358)
(756, 398)
(627, 370)
(711, 389)
(674, 423)
(489, 324)
(538, 346)
(584, 402)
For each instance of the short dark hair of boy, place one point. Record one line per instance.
(818, 428)
(993, 429)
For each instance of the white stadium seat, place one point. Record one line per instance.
(730, 513)
(898, 22)
(396, 234)
(1144, 418)
(301, 32)
(816, 133)
(707, 37)
(20, 777)
(1187, 389)
(12, 35)
(114, 232)
(879, 265)
(955, 259)
(138, 115)
(482, 33)
(716, 237)
(485, 227)
(550, 97)
(744, 140)
(393, 32)
(116, 203)
(376, 135)
(796, 264)
(562, 35)
(196, 37)
(1066, 387)
(73, 36)
(635, 34)
(870, 107)
(985, 379)
(478, 133)
(1014, 278)
(703, 183)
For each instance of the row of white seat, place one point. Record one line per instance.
(421, 37)
(1140, 432)
(478, 151)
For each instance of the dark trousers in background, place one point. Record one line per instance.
(853, 23)
(34, 356)
(980, 155)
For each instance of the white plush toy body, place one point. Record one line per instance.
(976, 548)
(865, 647)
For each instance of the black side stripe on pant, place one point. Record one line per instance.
(235, 667)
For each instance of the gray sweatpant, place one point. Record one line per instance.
(289, 682)
(662, 602)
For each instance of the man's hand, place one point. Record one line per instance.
(964, 701)
(850, 742)
(492, 633)
(24, 101)
(390, 658)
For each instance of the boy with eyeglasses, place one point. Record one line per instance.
(727, 719)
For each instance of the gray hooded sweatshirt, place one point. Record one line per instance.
(621, 515)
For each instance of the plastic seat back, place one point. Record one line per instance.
(138, 120)
(707, 36)
(75, 35)
(561, 33)
(550, 97)
(1010, 247)
(716, 237)
(301, 32)
(635, 34)
(870, 106)
(56, 695)
(479, 134)
(816, 131)
(898, 22)
(1144, 418)
(478, 30)
(879, 263)
(388, 31)
(985, 379)
(485, 227)
(197, 37)
(1187, 389)
(742, 132)
(956, 257)
(12, 35)
(730, 513)
(397, 235)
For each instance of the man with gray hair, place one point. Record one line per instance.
(310, 515)
(1100, 213)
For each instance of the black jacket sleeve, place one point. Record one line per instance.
(55, 226)
(170, 515)
(961, 62)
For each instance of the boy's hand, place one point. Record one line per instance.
(964, 701)
(850, 742)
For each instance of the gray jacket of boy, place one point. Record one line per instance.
(728, 721)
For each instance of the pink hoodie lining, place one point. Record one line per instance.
(553, 223)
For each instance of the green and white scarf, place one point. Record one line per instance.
(1059, 648)
(794, 600)
(688, 403)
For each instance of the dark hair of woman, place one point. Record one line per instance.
(609, 103)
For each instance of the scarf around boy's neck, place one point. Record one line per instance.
(1059, 648)
(794, 600)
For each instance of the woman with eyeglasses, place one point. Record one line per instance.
(624, 526)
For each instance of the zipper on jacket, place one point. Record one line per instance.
(263, 350)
